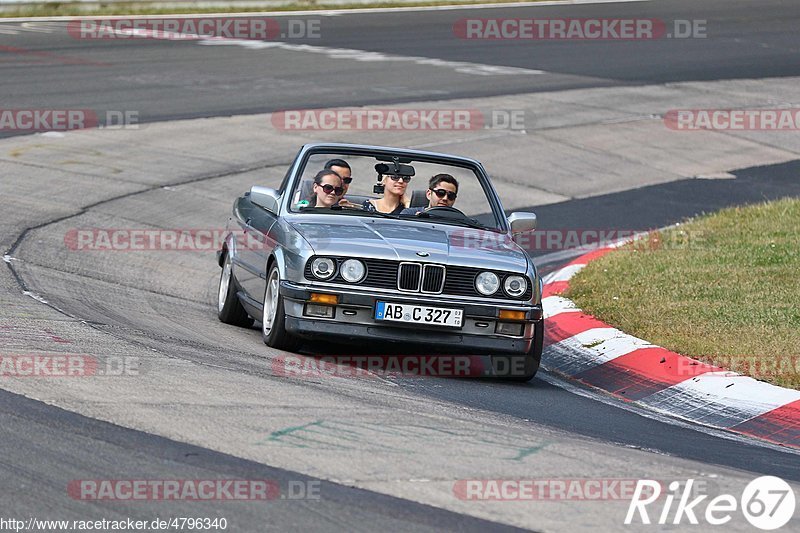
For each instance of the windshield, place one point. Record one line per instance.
(348, 185)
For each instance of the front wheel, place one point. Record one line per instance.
(229, 308)
(534, 357)
(273, 321)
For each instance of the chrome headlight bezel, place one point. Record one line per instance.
(317, 261)
(343, 270)
(487, 276)
(523, 284)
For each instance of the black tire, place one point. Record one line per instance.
(229, 308)
(274, 331)
(534, 357)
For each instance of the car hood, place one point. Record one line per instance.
(410, 241)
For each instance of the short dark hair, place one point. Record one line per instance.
(337, 163)
(439, 178)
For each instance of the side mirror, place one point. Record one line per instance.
(266, 197)
(522, 222)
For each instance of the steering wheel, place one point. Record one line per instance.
(444, 211)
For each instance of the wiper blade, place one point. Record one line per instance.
(469, 222)
(364, 212)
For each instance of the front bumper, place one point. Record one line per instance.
(354, 319)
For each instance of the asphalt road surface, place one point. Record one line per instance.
(45, 67)
(207, 403)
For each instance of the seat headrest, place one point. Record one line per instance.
(419, 199)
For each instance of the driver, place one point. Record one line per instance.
(442, 192)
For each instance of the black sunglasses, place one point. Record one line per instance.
(328, 188)
(347, 180)
(441, 193)
(405, 179)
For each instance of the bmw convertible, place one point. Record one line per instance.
(323, 257)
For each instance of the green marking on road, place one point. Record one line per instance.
(275, 436)
(367, 436)
(522, 453)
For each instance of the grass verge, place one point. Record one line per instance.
(63, 9)
(721, 288)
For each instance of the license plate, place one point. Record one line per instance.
(419, 314)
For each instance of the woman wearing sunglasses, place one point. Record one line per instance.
(394, 196)
(328, 189)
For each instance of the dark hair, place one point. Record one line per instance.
(312, 198)
(439, 178)
(337, 163)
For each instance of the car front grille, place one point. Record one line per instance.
(408, 276)
(425, 278)
(433, 279)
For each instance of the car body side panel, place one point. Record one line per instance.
(253, 247)
(291, 239)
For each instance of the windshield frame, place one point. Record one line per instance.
(406, 156)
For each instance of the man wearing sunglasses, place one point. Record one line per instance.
(442, 192)
(342, 167)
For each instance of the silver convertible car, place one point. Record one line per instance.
(373, 245)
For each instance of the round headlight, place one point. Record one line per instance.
(323, 267)
(515, 286)
(353, 270)
(487, 283)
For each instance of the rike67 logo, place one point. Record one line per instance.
(767, 502)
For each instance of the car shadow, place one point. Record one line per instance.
(409, 362)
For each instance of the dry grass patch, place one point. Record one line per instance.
(722, 288)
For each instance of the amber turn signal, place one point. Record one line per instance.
(329, 299)
(507, 314)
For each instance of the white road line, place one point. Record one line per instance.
(36, 27)
(339, 12)
(474, 69)
(464, 67)
(40, 28)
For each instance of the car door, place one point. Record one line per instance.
(255, 248)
